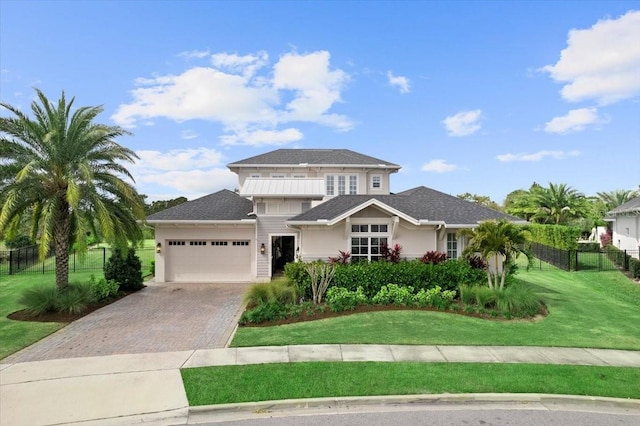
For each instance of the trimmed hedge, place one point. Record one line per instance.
(634, 267)
(372, 276)
(558, 236)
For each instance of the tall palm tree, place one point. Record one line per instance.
(493, 239)
(559, 203)
(613, 199)
(67, 173)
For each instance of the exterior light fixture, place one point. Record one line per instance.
(263, 249)
(159, 248)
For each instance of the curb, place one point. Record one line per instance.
(532, 401)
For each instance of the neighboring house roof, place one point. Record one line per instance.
(315, 157)
(421, 204)
(221, 205)
(269, 187)
(630, 207)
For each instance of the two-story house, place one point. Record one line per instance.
(305, 204)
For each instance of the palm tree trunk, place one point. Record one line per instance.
(62, 229)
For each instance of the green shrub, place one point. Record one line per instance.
(485, 297)
(126, 270)
(152, 268)
(297, 273)
(634, 267)
(467, 294)
(18, 241)
(590, 247)
(517, 301)
(558, 236)
(265, 312)
(435, 297)
(392, 294)
(75, 298)
(104, 289)
(340, 299)
(278, 291)
(39, 299)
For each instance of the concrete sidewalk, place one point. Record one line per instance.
(136, 388)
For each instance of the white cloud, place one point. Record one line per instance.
(438, 166)
(403, 83)
(576, 120)
(191, 172)
(188, 134)
(195, 54)
(463, 123)
(263, 137)
(178, 159)
(537, 156)
(601, 62)
(244, 95)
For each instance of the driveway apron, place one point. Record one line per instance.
(159, 318)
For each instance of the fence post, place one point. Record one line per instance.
(104, 256)
(11, 262)
(626, 261)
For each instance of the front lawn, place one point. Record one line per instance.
(16, 335)
(586, 309)
(231, 384)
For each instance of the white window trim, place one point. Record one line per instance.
(379, 187)
(347, 183)
(369, 235)
(278, 175)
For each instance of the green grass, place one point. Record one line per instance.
(16, 335)
(586, 309)
(229, 384)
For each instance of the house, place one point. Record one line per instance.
(305, 204)
(625, 226)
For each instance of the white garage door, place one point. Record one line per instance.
(208, 260)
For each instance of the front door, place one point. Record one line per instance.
(282, 252)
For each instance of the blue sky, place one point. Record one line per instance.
(480, 97)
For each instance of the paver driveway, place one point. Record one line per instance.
(159, 318)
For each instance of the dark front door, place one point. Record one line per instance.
(282, 252)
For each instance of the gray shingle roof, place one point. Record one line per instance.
(221, 205)
(420, 203)
(631, 206)
(312, 157)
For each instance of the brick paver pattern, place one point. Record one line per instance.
(159, 318)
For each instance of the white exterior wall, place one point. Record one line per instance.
(202, 232)
(626, 233)
(364, 175)
(322, 242)
(415, 240)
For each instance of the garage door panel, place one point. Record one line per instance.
(209, 261)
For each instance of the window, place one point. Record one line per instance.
(366, 240)
(342, 189)
(197, 243)
(299, 175)
(176, 243)
(452, 246)
(330, 185)
(240, 243)
(255, 175)
(278, 175)
(219, 243)
(376, 182)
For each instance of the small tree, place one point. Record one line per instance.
(321, 276)
(126, 270)
(494, 239)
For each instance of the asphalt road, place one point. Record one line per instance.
(448, 417)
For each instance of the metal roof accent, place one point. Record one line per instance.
(274, 187)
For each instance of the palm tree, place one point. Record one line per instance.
(558, 204)
(613, 199)
(493, 239)
(66, 172)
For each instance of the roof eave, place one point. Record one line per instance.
(201, 222)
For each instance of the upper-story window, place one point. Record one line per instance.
(376, 182)
(337, 184)
(255, 175)
(278, 175)
(299, 175)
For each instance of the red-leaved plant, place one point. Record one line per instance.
(477, 262)
(342, 258)
(390, 254)
(434, 257)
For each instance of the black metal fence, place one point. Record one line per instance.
(26, 260)
(575, 260)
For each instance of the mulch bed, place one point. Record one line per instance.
(25, 315)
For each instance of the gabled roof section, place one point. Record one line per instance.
(630, 207)
(420, 204)
(270, 187)
(313, 157)
(219, 206)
